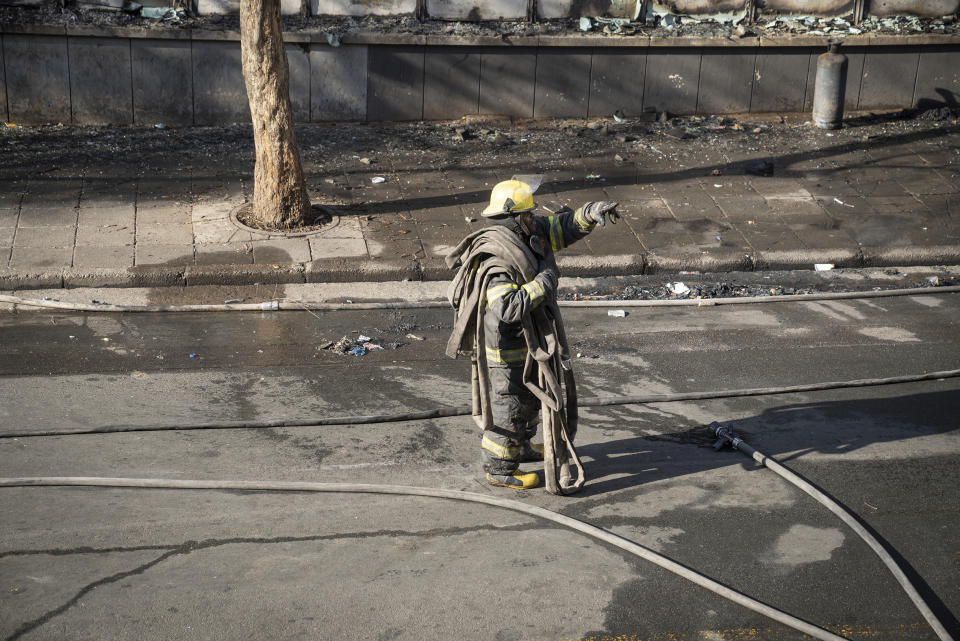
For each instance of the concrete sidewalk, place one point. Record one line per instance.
(853, 198)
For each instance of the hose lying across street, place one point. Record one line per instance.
(538, 512)
(466, 410)
(844, 516)
(293, 305)
(566, 521)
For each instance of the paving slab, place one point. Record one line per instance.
(107, 236)
(790, 207)
(283, 251)
(164, 254)
(230, 253)
(39, 216)
(769, 236)
(93, 214)
(8, 217)
(98, 256)
(164, 214)
(26, 258)
(218, 231)
(165, 234)
(49, 236)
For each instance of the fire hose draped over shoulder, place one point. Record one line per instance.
(480, 257)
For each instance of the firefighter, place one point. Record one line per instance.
(506, 443)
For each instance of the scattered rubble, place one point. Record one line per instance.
(665, 25)
(716, 289)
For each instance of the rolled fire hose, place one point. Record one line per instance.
(726, 436)
(531, 510)
(291, 305)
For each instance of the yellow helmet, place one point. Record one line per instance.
(509, 197)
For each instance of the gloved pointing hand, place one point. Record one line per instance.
(598, 211)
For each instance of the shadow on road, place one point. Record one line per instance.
(787, 433)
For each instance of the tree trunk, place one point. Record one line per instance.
(279, 190)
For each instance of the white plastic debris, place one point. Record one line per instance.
(363, 339)
(678, 289)
(616, 313)
(823, 267)
(376, 180)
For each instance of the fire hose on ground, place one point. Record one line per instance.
(538, 512)
(636, 549)
(296, 305)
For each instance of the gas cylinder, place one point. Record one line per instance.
(829, 89)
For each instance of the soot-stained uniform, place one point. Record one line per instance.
(515, 408)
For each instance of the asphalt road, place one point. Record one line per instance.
(79, 563)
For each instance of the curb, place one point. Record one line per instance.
(346, 270)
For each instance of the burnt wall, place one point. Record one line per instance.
(62, 76)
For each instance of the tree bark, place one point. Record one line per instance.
(279, 190)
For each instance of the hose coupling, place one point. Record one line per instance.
(724, 436)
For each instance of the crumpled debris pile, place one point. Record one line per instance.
(826, 26)
(493, 137)
(812, 25)
(679, 290)
(359, 346)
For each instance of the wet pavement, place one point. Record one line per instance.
(123, 207)
(128, 564)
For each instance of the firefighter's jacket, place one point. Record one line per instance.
(509, 301)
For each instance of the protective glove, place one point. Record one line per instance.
(547, 279)
(598, 211)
